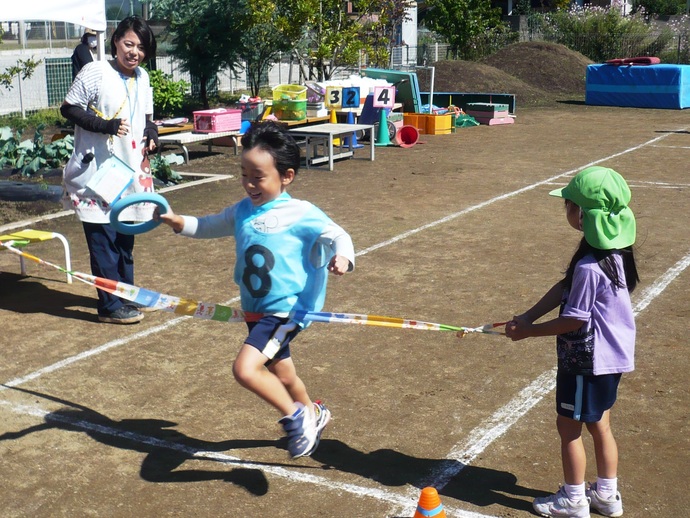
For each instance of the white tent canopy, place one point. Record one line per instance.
(87, 13)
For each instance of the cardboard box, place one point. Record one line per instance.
(219, 119)
(418, 120)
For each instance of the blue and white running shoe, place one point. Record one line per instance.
(301, 432)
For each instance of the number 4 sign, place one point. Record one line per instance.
(384, 97)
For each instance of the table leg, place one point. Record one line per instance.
(372, 146)
(330, 152)
(308, 150)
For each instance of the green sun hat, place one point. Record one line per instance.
(603, 195)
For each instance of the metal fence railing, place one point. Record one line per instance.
(52, 44)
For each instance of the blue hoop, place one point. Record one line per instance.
(136, 228)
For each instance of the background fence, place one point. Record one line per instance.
(53, 42)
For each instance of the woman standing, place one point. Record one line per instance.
(111, 105)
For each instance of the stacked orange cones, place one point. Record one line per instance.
(429, 504)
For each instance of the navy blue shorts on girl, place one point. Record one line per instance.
(272, 336)
(585, 398)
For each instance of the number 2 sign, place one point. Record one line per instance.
(384, 97)
(351, 97)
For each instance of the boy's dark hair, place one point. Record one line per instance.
(139, 27)
(274, 139)
(607, 263)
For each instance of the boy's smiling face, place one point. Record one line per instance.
(260, 178)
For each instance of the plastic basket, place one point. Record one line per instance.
(290, 92)
(251, 110)
(218, 119)
(288, 110)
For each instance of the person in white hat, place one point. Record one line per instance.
(83, 53)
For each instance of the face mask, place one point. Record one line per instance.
(92, 41)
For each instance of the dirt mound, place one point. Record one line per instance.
(550, 67)
(536, 72)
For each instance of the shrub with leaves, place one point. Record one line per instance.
(24, 68)
(601, 33)
(160, 168)
(168, 95)
(29, 157)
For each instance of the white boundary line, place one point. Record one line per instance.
(55, 215)
(480, 438)
(293, 475)
(512, 194)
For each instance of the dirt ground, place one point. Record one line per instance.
(537, 73)
(145, 420)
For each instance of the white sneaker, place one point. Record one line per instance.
(300, 428)
(560, 505)
(612, 506)
(323, 416)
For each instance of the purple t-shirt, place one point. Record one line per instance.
(605, 344)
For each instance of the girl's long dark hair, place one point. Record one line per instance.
(607, 263)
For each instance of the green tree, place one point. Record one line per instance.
(205, 35)
(381, 20)
(334, 39)
(462, 21)
(270, 30)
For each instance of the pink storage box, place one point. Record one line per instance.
(219, 119)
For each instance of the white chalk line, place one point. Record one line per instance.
(653, 291)
(62, 213)
(499, 423)
(291, 474)
(673, 147)
(502, 197)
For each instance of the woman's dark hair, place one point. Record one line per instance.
(272, 138)
(139, 27)
(606, 261)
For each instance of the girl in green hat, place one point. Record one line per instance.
(595, 337)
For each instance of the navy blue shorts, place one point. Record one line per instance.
(585, 398)
(272, 336)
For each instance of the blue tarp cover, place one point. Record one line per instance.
(640, 86)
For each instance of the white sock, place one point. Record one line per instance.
(575, 492)
(607, 487)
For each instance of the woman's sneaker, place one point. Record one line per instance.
(612, 506)
(142, 308)
(560, 505)
(122, 315)
(301, 431)
(323, 416)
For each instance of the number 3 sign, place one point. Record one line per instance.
(333, 99)
(384, 97)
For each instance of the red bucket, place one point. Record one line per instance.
(407, 136)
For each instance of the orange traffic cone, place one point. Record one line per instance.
(334, 120)
(429, 504)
